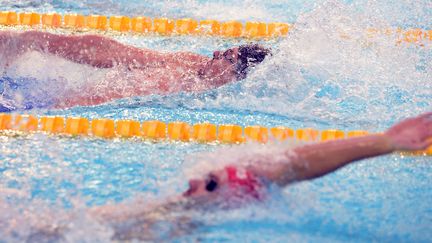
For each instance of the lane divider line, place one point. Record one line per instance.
(143, 25)
(173, 131)
(184, 26)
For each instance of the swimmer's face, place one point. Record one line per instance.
(208, 186)
(222, 67)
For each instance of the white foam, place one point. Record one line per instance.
(42, 66)
(329, 69)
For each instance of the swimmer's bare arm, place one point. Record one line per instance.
(94, 50)
(315, 160)
(99, 51)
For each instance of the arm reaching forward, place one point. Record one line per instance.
(311, 161)
(97, 51)
(316, 160)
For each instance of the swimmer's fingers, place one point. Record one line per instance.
(425, 144)
(426, 129)
(426, 121)
(423, 121)
(427, 116)
(413, 133)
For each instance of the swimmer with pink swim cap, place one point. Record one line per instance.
(233, 181)
(235, 186)
(309, 162)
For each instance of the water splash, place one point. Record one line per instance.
(326, 68)
(329, 68)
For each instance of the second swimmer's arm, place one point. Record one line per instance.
(315, 160)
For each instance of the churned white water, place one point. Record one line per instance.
(329, 70)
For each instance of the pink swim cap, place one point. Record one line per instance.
(248, 184)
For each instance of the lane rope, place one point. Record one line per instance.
(146, 25)
(174, 131)
(185, 26)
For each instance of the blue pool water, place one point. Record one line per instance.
(315, 78)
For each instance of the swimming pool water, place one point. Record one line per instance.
(314, 79)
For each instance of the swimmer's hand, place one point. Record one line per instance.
(315, 160)
(412, 134)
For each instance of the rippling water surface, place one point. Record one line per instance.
(325, 74)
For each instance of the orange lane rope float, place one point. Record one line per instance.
(142, 25)
(173, 131)
(185, 26)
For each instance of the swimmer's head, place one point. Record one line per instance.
(208, 185)
(249, 56)
(228, 180)
(234, 63)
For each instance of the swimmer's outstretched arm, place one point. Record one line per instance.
(99, 51)
(315, 160)
(94, 50)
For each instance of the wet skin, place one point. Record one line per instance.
(152, 72)
(207, 186)
(222, 66)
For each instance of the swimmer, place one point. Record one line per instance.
(308, 162)
(237, 185)
(153, 72)
(233, 186)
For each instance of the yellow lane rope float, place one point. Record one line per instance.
(173, 131)
(185, 26)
